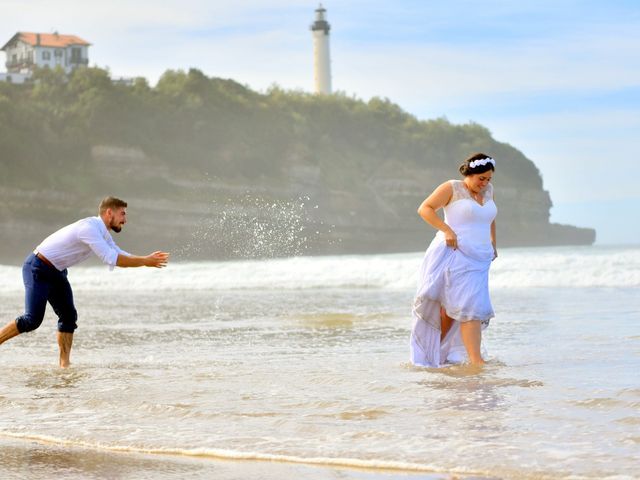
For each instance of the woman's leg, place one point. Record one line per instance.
(445, 323)
(471, 333)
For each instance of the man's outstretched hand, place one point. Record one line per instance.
(157, 259)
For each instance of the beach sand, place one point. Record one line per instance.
(21, 459)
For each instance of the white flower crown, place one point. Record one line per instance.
(484, 161)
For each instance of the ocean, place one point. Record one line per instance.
(298, 368)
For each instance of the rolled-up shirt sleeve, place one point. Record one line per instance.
(106, 251)
(117, 248)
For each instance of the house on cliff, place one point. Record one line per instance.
(25, 51)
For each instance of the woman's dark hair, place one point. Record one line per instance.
(467, 169)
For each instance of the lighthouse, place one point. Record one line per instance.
(321, 59)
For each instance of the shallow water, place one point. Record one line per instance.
(305, 361)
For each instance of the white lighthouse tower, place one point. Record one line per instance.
(321, 58)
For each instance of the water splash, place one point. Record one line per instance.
(253, 227)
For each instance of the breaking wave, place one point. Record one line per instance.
(566, 267)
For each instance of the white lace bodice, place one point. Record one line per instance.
(460, 191)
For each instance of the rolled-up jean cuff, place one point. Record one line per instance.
(21, 324)
(66, 326)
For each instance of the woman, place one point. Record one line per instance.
(452, 304)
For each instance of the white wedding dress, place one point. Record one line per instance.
(457, 280)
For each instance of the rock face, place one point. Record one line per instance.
(213, 170)
(210, 218)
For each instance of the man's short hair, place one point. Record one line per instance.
(111, 203)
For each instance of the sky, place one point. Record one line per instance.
(557, 79)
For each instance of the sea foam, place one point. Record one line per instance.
(515, 268)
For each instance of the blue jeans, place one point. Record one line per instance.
(42, 284)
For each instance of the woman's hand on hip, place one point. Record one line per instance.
(451, 239)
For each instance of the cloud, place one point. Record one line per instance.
(455, 75)
(142, 14)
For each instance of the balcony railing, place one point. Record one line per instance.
(24, 63)
(18, 64)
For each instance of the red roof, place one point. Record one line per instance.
(46, 39)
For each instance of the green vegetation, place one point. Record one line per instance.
(205, 161)
(191, 124)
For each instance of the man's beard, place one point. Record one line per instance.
(116, 228)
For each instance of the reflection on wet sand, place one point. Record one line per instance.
(42, 461)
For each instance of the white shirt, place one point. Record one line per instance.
(76, 242)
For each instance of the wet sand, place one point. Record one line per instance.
(21, 459)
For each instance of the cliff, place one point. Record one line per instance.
(212, 169)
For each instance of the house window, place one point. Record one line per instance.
(58, 53)
(76, 55)
(46, 55)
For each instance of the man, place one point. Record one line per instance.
(45, 271)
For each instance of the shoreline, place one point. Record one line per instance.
(69, 459)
